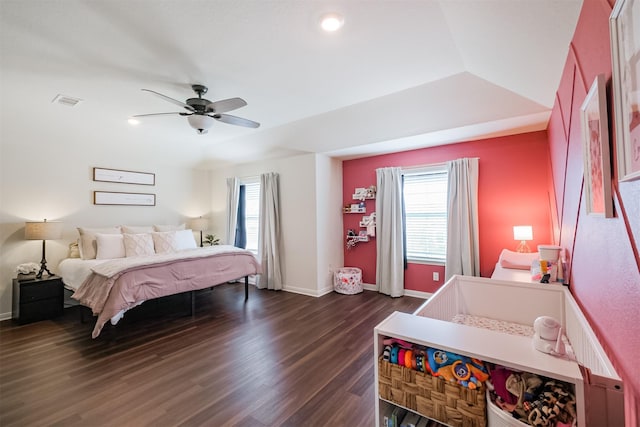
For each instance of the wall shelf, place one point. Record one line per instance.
(367, 222)
(362, 193)
(356, 211)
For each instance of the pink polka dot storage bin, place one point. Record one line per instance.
(348, 281)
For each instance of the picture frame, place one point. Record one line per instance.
(124, 199)
(625, 57)
(123, 176)
(595, 143)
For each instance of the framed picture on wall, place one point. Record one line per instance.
(124, 177)
(120, 198)
(595, 143)
(624, 26)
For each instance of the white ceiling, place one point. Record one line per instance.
(399, 74)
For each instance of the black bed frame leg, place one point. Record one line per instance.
(83, 309)
(193, 303)
(246, 288)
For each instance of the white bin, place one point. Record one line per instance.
(549, 252)
(348, 280)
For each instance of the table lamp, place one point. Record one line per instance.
(43, 231)
(199, 224)
(523, 233)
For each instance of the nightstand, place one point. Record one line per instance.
(37, 299)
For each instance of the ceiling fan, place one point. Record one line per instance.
(201, 112)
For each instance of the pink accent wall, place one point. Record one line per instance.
(604, 253)
(514, 189)
(605, 265)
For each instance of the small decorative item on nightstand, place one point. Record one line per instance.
(37, 299)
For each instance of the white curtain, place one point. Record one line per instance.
(462, 225)
(389, 236)
(269, 252)
(233, 192)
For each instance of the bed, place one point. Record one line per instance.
(110, 287)
(598, 388)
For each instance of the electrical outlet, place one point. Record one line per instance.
(436, 276)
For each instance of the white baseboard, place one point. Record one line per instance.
(369, 287)
(407, 292)
(5, 316)
(417, 294)
(308, 292)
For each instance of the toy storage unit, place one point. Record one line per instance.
(348, 281)
(597, 387)
(430, 396)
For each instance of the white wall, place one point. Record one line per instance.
(329, 220)
(308, 245)
(48, 174)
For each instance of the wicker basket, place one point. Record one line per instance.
(433, 397)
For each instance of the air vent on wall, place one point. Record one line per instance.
(66, 100)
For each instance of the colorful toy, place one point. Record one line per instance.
(453, 367)
(466, 371)
(386, 354)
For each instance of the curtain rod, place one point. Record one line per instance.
(431, 164)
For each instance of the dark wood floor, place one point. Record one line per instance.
(281, 359)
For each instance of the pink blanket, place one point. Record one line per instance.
(107, 296)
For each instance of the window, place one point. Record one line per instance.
(425, 205)
(252, 213)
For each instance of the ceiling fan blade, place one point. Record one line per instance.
(225, 105)
(238, 121)
(159, 114)
(173, 101)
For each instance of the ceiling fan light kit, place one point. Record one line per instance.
(201, 112)
(201, 123)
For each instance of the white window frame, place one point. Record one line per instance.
(427, 258)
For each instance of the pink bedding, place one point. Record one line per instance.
(517, 260)
(107, 296)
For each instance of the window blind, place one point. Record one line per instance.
(252, 214)
(425, 204)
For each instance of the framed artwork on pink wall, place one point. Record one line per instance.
(624, 26)
(595, 143)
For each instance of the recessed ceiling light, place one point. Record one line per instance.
(332, 22)
(133, 121)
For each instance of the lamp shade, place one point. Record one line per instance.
(199, 224)
(43, 230)
(522, 232)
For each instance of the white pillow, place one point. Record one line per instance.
(137, 229)
(169, 227)
(173, 241)
(88, 246)
(164, 241)
(138, 244)
(185, 240)
(110, 246)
